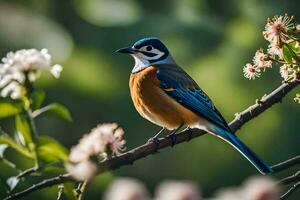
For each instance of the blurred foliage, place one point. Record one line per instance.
(211, 39)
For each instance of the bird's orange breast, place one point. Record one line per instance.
(154, 104)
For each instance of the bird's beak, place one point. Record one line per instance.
(128, 50)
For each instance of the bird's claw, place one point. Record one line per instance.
(190, 134)
(173, 138)
(154, 140)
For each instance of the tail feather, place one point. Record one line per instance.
(244, 150)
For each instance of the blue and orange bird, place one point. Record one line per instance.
(163, 93)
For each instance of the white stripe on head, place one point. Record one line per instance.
(150, 51)
(141, 64)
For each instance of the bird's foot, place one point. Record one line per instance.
(154, 140)
(173, 138)
(190, 132)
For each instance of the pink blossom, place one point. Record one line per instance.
(275, 50)
(178, 190)
(126, 189)
(255, 188)
(277, 28)
(261, 188)
(288, 73)
(82, 171)
(102, 138)
(251, 71)
(261, 60)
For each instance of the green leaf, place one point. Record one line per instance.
(294, 45)
(54, 170)
(12, 182)
(9, 108)
(3, 187)
(50, 150)
(55, 108)
(3, 147)
(288, 54)
(23, 127)
(56, 167)
(37, 98)
(5, 139)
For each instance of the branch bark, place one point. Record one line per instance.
(290, 191)
(290, 179)
(295, 179)
(286, 164)
(144, 150)
(27, 172)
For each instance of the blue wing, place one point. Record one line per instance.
(181, 87)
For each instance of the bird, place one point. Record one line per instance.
(163, 93)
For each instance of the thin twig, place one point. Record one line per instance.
(80, 189)
(27, 172)
(60, 192)
(286, 164)
(290, 191)
(278, 61)
(43, 184)
(290, 179)
(129, 157)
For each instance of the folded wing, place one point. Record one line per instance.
(182, 88)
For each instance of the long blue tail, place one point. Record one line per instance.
(244, 150)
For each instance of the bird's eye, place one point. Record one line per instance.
(149, 48)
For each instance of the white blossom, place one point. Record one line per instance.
(251, 71)
(277, 28)
(284, 71)
(255, 188)
(232, 193)
(26, 62)
(117, 143)
(56, 70)
(261, 60)
(102, 138)
(178, 190)
(275, 50)
(82, 171)
(260, 188)
(126, 189)
(13, 90)
(287, 72)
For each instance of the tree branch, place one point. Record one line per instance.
(27, 172)
(290, 191)
(287, 181)
(60, 192)
(286, 164)
(290, 179)
(43, 184)
(80, 190)
(144, 150)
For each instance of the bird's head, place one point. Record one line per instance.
(148, 52)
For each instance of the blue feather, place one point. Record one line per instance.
(186, 92)
(191, 97)
(244, 150)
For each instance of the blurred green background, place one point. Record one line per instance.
(210, 39)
